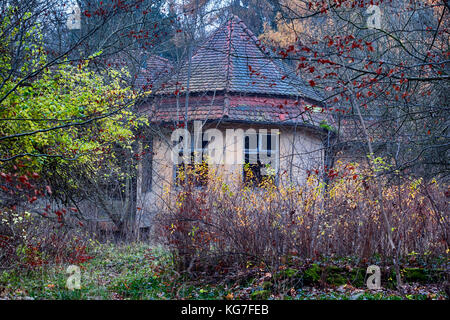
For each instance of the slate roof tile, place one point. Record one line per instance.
(233, 78)
(232, 59)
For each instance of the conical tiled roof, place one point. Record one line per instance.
(233, 60)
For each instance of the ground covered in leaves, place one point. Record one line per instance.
(138, 271)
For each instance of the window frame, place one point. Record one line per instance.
(274, 147)
(176, 167)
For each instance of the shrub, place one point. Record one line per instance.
(221, 228)
(29, 241)
(31, 238)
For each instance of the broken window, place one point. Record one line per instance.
(195, 167)
(260, 157)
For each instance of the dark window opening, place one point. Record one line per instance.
(196, 173)
(257, 170)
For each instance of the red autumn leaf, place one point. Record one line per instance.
(49, 190)
(306, 49)
(312, 83)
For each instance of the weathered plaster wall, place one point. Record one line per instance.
(300, 150)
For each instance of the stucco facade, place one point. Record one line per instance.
(231, 82)
(299, 151)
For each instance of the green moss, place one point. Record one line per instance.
(357, 277)
(286, 274)
(415, 275)
(324, 124)
(388, 280)
(267, 285)
(312, 274)
(409, 275)
(260, 295)
(336, 276)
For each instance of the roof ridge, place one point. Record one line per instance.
(249, 32)
(229, 62)
(207, 39)
(232, 59)
(269, 55)
(257, 42)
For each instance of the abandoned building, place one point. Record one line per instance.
(232, 81)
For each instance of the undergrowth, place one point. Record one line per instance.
(140, 271)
